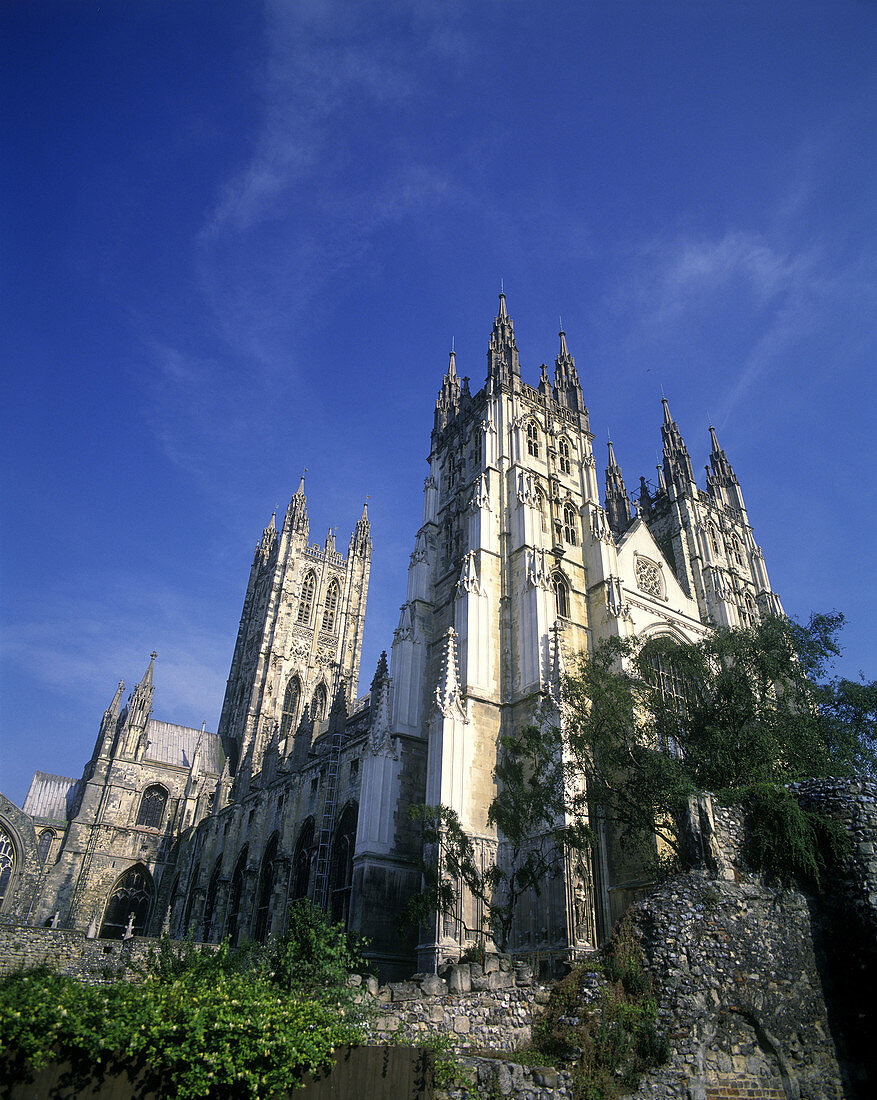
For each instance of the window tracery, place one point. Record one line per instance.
(563, 456)
(570, 525)
(561, 594)
(533, 438)
(648, 578)
(330, 608)
(306, 601)
(152, 806)
(7, 862)
(130, 897)
(290, 707)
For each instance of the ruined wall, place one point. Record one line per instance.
(70, 952)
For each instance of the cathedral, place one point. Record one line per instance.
(304, 790)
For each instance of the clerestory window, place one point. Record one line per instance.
(563, 456)
(533, 438)
(330, 608)
(570, 525)
(306, 602)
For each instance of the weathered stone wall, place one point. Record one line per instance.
(70, 952)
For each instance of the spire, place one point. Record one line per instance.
(721, 481)
(448, 401)
(677, 464)
(502, 352)
(617, 502)
(139, 710)
(107, 733)
(269, 538)
(567, 387)
(360, 540)
(297, 512)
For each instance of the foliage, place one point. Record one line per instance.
(241, 1022)
(614, 1041)
(749, 710)
(233, 1036)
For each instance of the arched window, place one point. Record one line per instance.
(714, 540)
(561, 594)
(44, 844)
(236, 916)
(7, 862)
(267, 878)
(563, 458)
(306, 603)
(318, 705)
(533, 438)
(290, 707)
(341, 867)
(330, 608)
(736, 550)
(301, 861)
(210, 900)
(570, 525)
(130, 897)
(152, 807)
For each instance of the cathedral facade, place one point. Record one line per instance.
(520, 562)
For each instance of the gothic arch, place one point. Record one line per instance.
(532, 438)
(236, 916)
(291, 698)
(44, 845)
(560, 588)
(341, 864)
(9, 862)
(563, 455)
(152, 804)
(330, 607)
(132, 896)
(265, 891)
(306, 602)
(319, 703)
(190, 897)
(570, 524)
(302, 859)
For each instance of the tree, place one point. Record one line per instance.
(536, 837)
(741, 713)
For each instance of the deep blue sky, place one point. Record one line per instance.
(238, 238)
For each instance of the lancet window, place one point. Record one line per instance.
(7, 862)
(570, 525)
(267, 878)
(301, 860)
(318, 704)
(330, 608)
(306, 603)
(563, 456)
(44, 844)
(533, 438)
(341, 867)
(236, 896)
(290, 707)
(561, 595)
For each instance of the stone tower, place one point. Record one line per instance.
(517, 562)
(299, 641)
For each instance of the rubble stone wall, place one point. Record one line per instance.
(70, 952)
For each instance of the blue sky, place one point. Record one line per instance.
(238, 239)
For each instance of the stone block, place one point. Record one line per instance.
(491, 964)
(434, 986)
(404, 991)
(460, 979)
(500, 980)
(462, 1025)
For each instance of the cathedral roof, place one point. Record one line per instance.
(50, 797)
(168, 743)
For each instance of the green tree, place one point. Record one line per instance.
(741, 713)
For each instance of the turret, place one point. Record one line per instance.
(138, 711)
(106, 737)
(360, 540)
(567, 388)
(448, 401)
(721, 481)
(297, 512)
(677, 464)
(503, 363)
(617, 501)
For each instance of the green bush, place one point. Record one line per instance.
(201, 1021)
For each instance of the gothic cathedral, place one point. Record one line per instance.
(305, 788)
